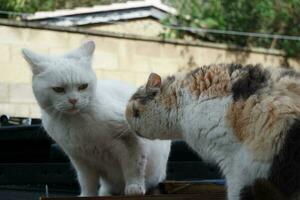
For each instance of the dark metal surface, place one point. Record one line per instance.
(201, 196)
(30, 159)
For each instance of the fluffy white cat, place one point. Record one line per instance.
(86, 118)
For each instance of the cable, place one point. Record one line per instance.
(237, 33)
(191, 29)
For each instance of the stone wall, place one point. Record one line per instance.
(144, 26)
(117, 56)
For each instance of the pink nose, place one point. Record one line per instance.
(73, 101)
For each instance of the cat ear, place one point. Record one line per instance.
(85, 50)
(34, 60)
(154, 82)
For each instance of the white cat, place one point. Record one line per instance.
(86, 118)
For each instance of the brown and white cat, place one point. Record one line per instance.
(246, 119)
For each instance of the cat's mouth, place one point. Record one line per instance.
(73, 110)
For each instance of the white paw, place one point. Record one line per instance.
(87, 194)
(83, 195)
(135, 189)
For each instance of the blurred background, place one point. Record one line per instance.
(135, 38)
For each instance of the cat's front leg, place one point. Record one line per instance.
(133, 163)
(235, 182)
(88, 178)
(105, 188)
(233, 193)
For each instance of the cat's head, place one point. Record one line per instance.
(147, 116)
(65, 84)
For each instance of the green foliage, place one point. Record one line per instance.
(30, 6)
(262, 16)
(25, 6)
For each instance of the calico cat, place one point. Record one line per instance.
(86, 118)
(246, 119)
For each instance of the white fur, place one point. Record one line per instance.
(95, 134)
(207, 132)
(202, 124)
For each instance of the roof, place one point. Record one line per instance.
(103, 13)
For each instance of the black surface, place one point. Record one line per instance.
(286, 164)
(29, 192)
(24, 144)
(180, 151)
(37, 173)
(30, 160)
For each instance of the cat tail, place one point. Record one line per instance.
(262, 189)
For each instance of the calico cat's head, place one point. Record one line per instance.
(63, 84)
(146, 114)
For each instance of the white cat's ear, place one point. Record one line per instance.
(154, 82)
(34, 60)
(85, 50)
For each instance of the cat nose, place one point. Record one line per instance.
(73, 101)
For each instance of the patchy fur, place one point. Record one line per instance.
(250, 80)
(209, 81)
(239, 117)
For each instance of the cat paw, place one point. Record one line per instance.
(135, 189)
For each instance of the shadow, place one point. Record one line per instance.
(239, 55)
(290, 63)
(231, 54)
(190, 63)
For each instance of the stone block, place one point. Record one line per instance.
(139, 64)
(105, 44)
(129, 77)
(105, 60)
(5, 52)
(141, 79)
(4, 92)
(21, 110)
(164, 66)
(171, 50)
(34, 111)
(151, 49)
(7, 109)
(12, 35)
(51, 38)
(125, 54)
(98, 73)
(21, 93)
(15, 71)
(75, 40)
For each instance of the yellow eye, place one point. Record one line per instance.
(83, 86)
(58, 89)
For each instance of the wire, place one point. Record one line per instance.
(191, 29)
(237, 33)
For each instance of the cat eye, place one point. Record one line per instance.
(83, 86)
(58, 89)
